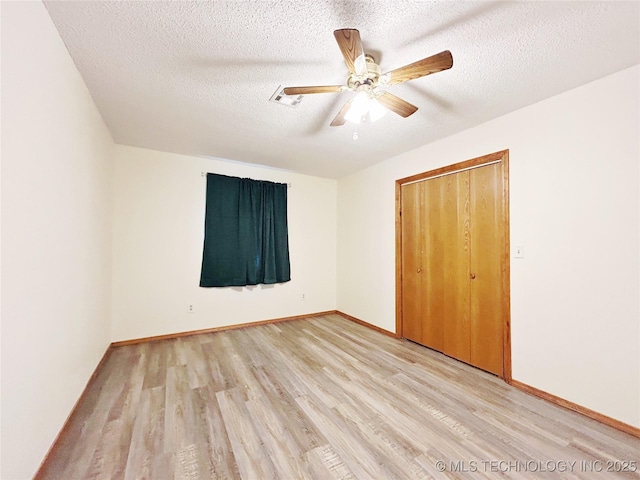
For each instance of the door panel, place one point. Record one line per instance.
(455, 231)
(412, 297)
(433, 261)
(486, 287)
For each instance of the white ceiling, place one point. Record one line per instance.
(196, 77)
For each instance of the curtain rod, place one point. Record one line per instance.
(204, 174)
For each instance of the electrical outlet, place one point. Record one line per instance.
(518, 252)
(191, 308)
(302, 298)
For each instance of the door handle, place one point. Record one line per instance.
(472, 276)
(419, 270)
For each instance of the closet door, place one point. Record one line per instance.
(486, 268)
(435, 246)
(455, 266)
(456, 256)
(412, 244)
(433, 262)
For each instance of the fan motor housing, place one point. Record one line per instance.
(369, 79)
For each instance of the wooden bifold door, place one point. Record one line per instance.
(453, 242)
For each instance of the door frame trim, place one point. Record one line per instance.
(501, 157)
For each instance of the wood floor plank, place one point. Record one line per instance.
(147, 435)
(324, 462)
(277, 442)
(322, 398)
(178, 414)
(222, 461)
(358, 460)
(156, 366)
(295, 421)
(244, 439)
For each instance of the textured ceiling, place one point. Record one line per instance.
(196, 77)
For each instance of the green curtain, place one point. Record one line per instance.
(246, 241)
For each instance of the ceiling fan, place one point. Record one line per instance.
(370, 85)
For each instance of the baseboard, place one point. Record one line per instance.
(366, 324)
(170, 336)
(587, 412)
(65, 425)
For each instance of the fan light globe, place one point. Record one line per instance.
(363, 105)
(376, 110)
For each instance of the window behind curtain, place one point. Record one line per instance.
(246, 241)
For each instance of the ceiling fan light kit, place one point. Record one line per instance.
(372, 100)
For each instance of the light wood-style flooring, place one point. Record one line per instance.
(321, 398)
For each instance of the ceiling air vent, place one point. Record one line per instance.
(287, 100)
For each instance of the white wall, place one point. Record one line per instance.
(575, 208)
(56, 236)
(158, 235)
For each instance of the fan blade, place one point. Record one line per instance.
(426, 66)
(308, 90)
(396, 104)
(339, 120)
(351, 47)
